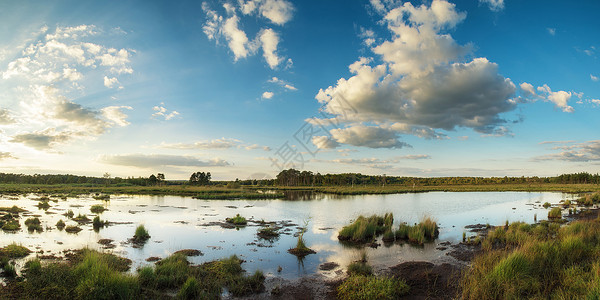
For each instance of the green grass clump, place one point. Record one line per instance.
(69, 214)
(426, 230)
(97, 223)
(73, 229)
(372, 287)
(34, 224)
(191, 289)
(60, 224)
(388, 236)
(586, 200)
(81, 218)
(301, 250)
(237, 220)
(540, 261)
(567, 203)
(14, 251)
(402, 232)
(555, 213)
(97, 209)
(546, 204)
(14, 209)
(359, 268)
(365, 229)
(11, 225)
(268, 233)
(141, 234)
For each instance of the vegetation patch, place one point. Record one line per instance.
(14, 251)
(237, 220)
(539, 261)
(189, 252)
(82, 219)
(34, 224)
(372, 287)
(60, 224)
(366, 229)
(14, 209)
(141, 235)
(301, 250)
(555, 213)
(97, 223)
(73, 229)
(97, 209)
(268, 233)
(11, 225)
(43, 205)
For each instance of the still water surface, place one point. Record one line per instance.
(183, 223)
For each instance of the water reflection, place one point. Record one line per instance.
(177, 223)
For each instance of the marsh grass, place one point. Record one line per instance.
(73, 229)
(546, 204)
(14, 251)
(97, 209)
(268, 233)
(60, 225)
(69, 214)
(141, 234)
(301, 250)
(555, 213)
(34, 224)
(44, 205)
(427, 230)
(97, 223)
(81, 218)
(14, 209)
(11, 225)
(237, 220)
(539, 261)
(365, 229)
(372, 287)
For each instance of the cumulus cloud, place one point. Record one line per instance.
(267, 95)
(283, 83)
(162, 112)
(367, 136)
(324, 142)
(594, 78)
(159, 160)
(422, 82)
(257, 146)
(495, 5)
(52, 66)
(42, 140)
(575, 152)
(277, 11)
(111, 82)
(560, 98)
(228, 28)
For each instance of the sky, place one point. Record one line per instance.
(246, 88)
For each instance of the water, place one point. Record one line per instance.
(183, 223)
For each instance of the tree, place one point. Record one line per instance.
(106, 177)
(161, 178)
(200, 178)
(152, 180)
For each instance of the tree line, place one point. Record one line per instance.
(292, 177)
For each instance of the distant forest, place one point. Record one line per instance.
(292, 177)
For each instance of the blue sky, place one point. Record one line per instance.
(243, 88)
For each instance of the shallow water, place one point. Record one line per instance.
(182, 223)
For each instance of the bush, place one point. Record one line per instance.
(555, 213)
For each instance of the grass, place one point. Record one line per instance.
(555, 213)
(427, 230)
(539, 261)
(60, 224)
(141, 234)
(237, 220)
(14, 251)
(97, 223)
(81, 218)
(546, 204)
(372, 287)
(97, 209)
(43, 205)
(14, 209)
(365, 229)
(73, 229)
(11, 225)
(69, 214)
(34, 224)
(268, 233)
(301, 250)
(94, 275)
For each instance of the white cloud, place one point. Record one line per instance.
(257, 146)
(159, 160)
(527, 89)
(324, 142)
(115, 115)
(495, 5)
(161, 111)
(42, 140)
(267, 95)
(222, 143)
(111, 82)
(575, 152)
(269, 41)
(595, 101)
(6, 155)
(217, 27)
(283, 83)
(551, 31)
(560, 98)
(367, 136)
(594, 78)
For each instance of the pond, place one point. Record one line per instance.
(176, 223)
